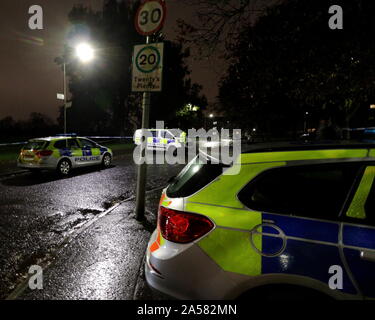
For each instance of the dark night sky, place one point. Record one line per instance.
(29, 78)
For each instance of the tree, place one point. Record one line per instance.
(101, 91)
(178, 91)
(290, 63)
(7, 126)
(39, 124)
(220, 23)
(36, 125)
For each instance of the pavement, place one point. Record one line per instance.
(81, 230)
(104, 262)
(8, 168)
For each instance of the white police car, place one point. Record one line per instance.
(62, 153)
(162, 139)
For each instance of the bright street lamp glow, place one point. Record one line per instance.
(85, 52)
(211, 115)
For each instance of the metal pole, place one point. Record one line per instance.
(142, 169)
(64, 98)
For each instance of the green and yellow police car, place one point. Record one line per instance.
(63, 153)
(297, 221)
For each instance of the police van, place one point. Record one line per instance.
(162, 139)
(63, 153)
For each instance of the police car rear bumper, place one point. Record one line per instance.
(189, 275)
(35, 166)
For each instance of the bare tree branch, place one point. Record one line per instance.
(220, 23)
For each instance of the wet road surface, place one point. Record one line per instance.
(103, 262)
(57, 222)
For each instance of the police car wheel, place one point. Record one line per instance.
(107, 160)
(64, 167)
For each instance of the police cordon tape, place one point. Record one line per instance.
(97, 137)
(90, 137)
(12, 144)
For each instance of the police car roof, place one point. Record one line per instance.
(302, 146)
(54, 138)
(43, 139)
(164, 129)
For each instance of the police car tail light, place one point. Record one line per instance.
(44, 153)
(182, 227)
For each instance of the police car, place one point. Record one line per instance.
(162, 139)
(296, 222)
(62, 153)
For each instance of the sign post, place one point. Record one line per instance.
(147, 78)
(64, 97)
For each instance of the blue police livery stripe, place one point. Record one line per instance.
(305, 228)
(363, 271)
(266, 229)
(310, 252)
(359, 237)
(305, 259)
(65, 152)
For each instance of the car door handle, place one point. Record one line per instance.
(269, 221)
(368, 256)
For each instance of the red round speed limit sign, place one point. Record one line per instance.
(150, 17)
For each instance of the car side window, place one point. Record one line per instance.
(168, 136)
(61, 144)
(87, 143)
(73, 144)
(315, 191)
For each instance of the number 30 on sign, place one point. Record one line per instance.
(150, 17)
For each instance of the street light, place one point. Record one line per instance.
(85, 52)
(64, 96)
(211, 115)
